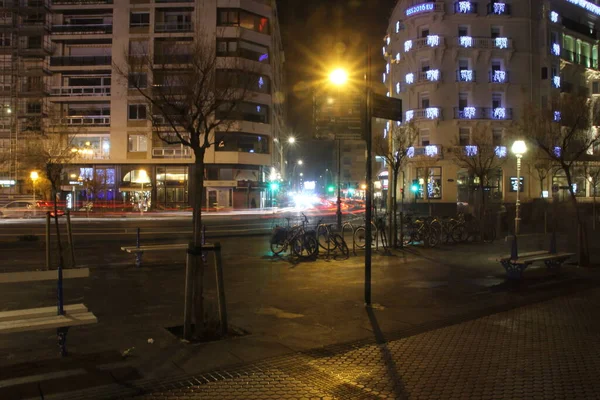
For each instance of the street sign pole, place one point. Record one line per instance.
(369, 197)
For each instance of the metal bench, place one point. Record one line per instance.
(60, 318)
(515, 263)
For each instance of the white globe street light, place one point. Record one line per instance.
(518, 148)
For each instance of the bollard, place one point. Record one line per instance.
(70, 238)
(514, 253)
(221, 289)
(138, 254)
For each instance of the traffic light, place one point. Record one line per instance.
(330, 189)
(415, 186)
(274, 186)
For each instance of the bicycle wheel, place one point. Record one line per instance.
(459, 233)
(277, 248)
(433, 237)
(323, 238)
(340, 244)
(360, 235)
(305, 246)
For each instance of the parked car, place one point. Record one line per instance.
(26, 209)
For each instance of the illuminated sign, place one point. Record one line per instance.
(513, 184)
(420, 8)
(591, 7)
(310, 185)
(7, 182)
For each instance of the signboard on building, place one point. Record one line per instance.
(386, 107)
(338, 115)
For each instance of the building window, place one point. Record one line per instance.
(242, 48)
(430, 182)
(497, 136)
(424, 137)
(243, 143)
(5, 39)
(243, 111)
(496, 32)
(243, 19)
(137, 112)
(497, 100)
(596, 87)
(463, 30)
(463, 101)
(137, 143)
(464, 136)
(139, 19)
(138, 80)
(227, 78)
(424, 32)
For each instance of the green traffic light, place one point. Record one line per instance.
(414, 188)
(274, 186)
(330, 189)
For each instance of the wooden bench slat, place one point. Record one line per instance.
(158, 247)
(13, 315)
(32, 276)
(526, 254)
(547, 256)
(57, 321)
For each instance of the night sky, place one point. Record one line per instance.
(318, 34)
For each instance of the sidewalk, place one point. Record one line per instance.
(547, 350)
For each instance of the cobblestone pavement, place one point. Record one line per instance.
(548, 350)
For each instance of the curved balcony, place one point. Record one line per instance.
(498, 113)
(470, 42)
(431, 76)
(428, 42)
(420, 114)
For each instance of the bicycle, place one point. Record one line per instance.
(471, 228)
(331, 241)
(302, 243)
(360, 234)
(419, 230)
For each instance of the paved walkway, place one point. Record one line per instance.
(549, 350)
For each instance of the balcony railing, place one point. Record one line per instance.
(498, 76)
(430, 41)
(498, 8)
(167, 152)
(431, 113)
(82, 28)
(498, 113)
(80, 61)
(432, 150)
(499, 43)
(466, 75)
(580, 59)
(173, 27)
(432, 75)
(86, 120)
(80, 91)
(465, 7)
(42, 49)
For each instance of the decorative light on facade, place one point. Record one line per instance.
(499, 76)
(383, 50)
(419, 8)
(554, 17)
(500, 113)
(431, 151)
(466, 41)
(556, 49)
(387, 40)
(556, 116)
(591, 7)
(466, 75)
(384, 77)
(557, 151)
(410, 78)
(433, 40)
(398, 88)
(501, 42)
(499, 8)
(500, 151)
(397, 26)
(387, 68)
(471, 151)
(464, 7)
(397, 57)
(407, 46)
(469, 112)
(556, 81)
(410, 152)
(409, 115)
(432, 112)
(261, 82)
(432, 75)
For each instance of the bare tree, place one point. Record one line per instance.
(564, 133)
(402, 140)
(481, 158)
(192, 98)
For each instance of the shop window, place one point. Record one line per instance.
(430, 183)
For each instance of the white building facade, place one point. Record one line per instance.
(468, 66)
(113, 136)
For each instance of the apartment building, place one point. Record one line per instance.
(114, 142)
(466, 66)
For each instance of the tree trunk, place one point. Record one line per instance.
(197, 175)
(583, 250)
(393, 229)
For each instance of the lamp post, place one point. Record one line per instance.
(34, 177)
(142, 179)
(339, 77)
(518, 148)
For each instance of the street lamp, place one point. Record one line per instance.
(34, 177)
(518, 148)
(339, 77)
(142, 178)
(291, 140)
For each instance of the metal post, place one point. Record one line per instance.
(70, 238)
(138, 254)
(189, 292)
(518, 203)
(368, 211)
(221, 289)
(48, 240)
(339, 185)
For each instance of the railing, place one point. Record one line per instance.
(173, 27)
(499, 8)
(580, 59)
(465, 7)
(98, 120)
(430, 41)
(466, 75)
(432, 150)
(431, 113)
(80, 91)
(30, 25)
(165, 152)
(499, 76)
(498, 113)
(43, 48)
(433, 75)
(80, 61)
(82, 28)
(499, 43)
